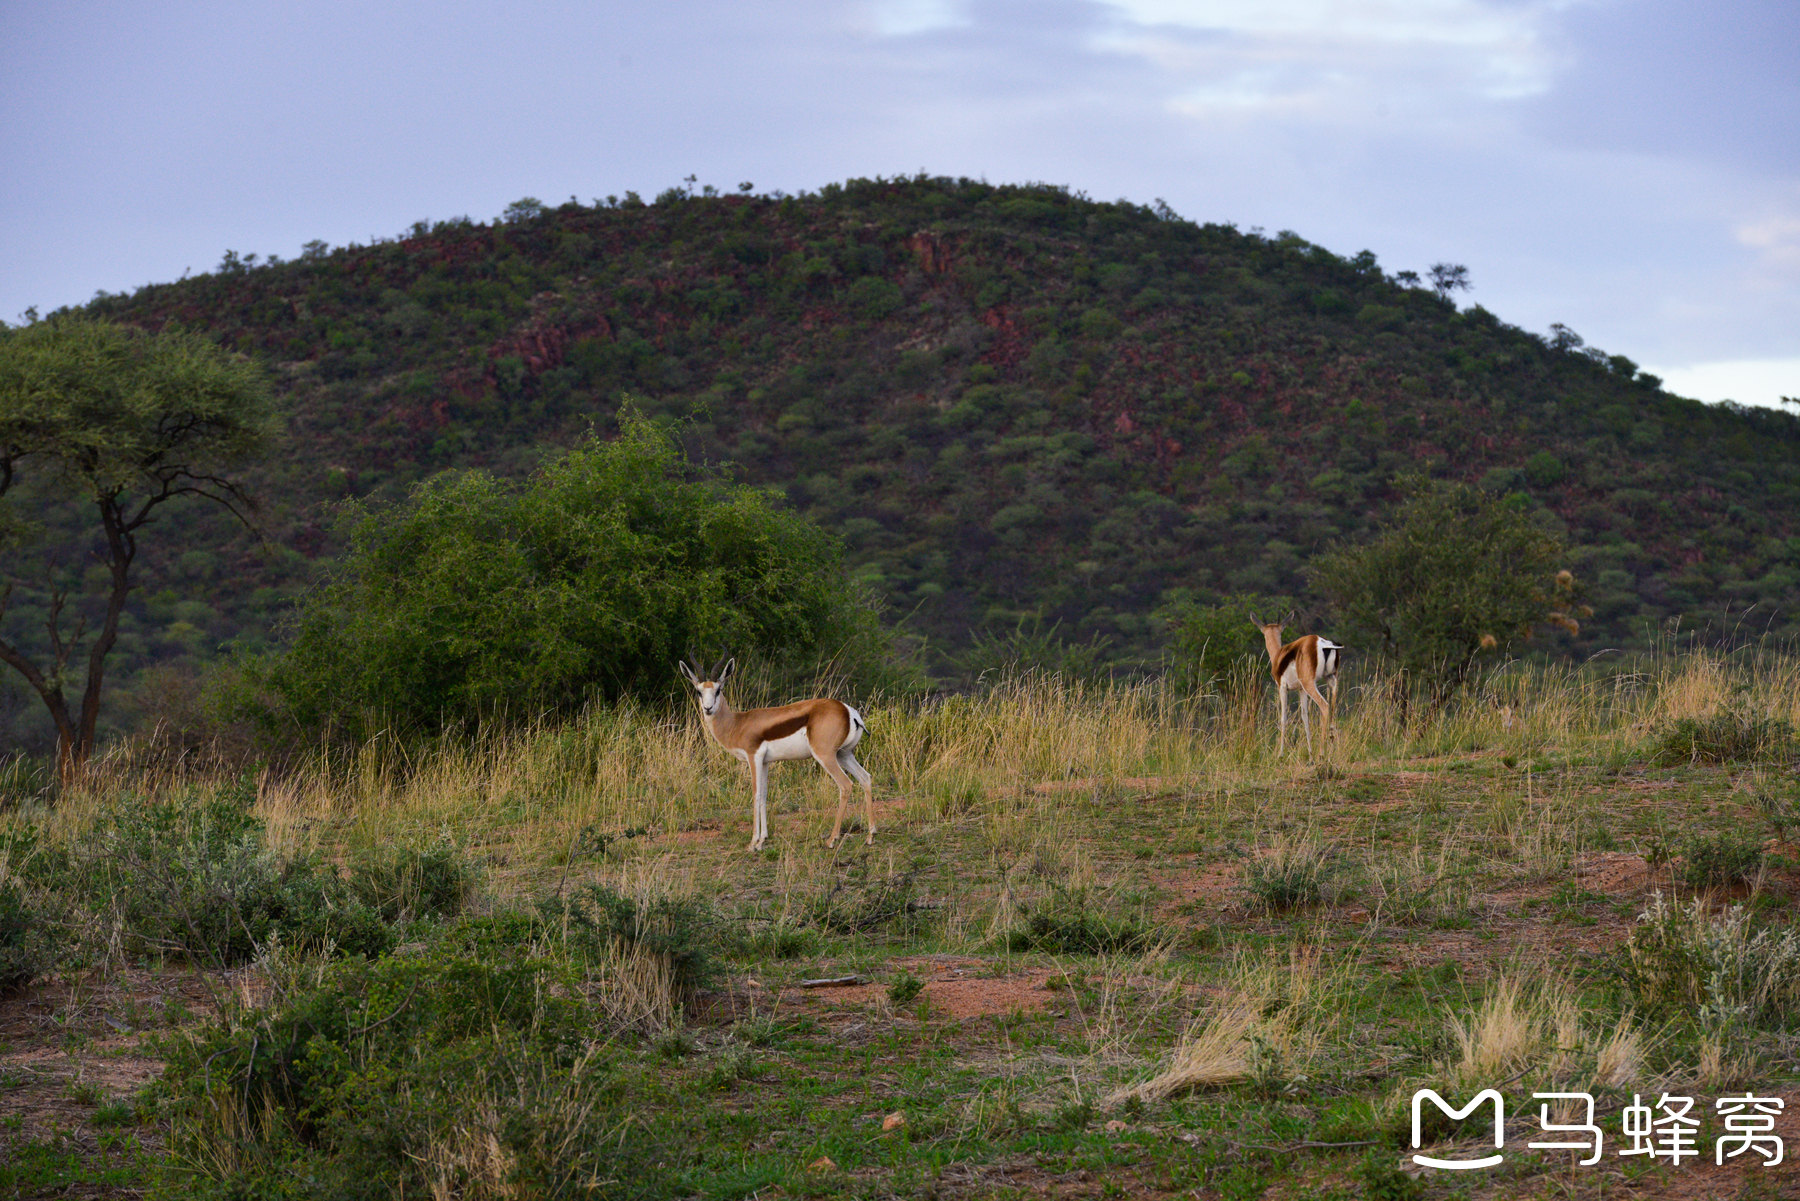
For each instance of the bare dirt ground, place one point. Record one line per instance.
(74, 1053)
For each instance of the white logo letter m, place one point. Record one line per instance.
(1457, 1115)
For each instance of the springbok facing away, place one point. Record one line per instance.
(827, 730)
(1302, 665)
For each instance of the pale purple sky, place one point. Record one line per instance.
(1630, 168)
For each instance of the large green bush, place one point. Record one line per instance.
(479, 598)
(1456, 574)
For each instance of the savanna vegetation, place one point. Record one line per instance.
(1107, 943)
(441, 892)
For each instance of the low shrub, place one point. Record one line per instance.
(860, 900)
(1293, 874)
(1780, 807)
(1713, 966)
(198, 881)
(439, 1074)
(596, 924)
(27, 946)
(1720, 860)
(401, 883)
(1073, 921)
(904, 988)
(1728, 736)
(779, 939)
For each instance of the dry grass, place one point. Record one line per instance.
(1537, 1029)
(1273, 1020)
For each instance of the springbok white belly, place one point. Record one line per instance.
(793, 746)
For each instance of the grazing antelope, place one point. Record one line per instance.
(827, 730)
(1302, 664)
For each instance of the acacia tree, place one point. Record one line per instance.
(124, 421)
(1457, 573)
(1447, 278)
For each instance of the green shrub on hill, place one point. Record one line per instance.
(1456, 573)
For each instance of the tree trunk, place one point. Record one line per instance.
(123, 549)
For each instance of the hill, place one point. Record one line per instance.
(1015, 404)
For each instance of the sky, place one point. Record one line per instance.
(1628, 168)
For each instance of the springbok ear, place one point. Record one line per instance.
(725, 672)
(1255, 618)
(687, 671)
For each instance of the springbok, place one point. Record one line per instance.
(1302, 665)
(827, 730)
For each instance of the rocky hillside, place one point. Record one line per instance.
(1013, 403)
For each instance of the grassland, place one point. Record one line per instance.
(1106, 943)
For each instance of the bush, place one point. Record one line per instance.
(401, 883)
(1292, 875)
(1071, 921)
(1720, 860)
(1728, 736)
(1209, 647)
(198, 881)
(436, 1075)
(27, 949)
(1713, 966)
(1456, 574)
(595, 922)
(479, 598)
(861, 901)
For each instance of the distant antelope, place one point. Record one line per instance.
(1302, 664)
(826, 730)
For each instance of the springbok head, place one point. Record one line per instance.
(708, 686)
(1268, 627)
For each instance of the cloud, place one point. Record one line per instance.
(1339, 61)
(1747, 381)
(1689, 79)
(902, 18)
(1776, 240)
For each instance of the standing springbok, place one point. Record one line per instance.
(827, 730)
(1302, 665)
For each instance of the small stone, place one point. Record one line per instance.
(894, 1121)
(1114, 1126)
(822, 1164)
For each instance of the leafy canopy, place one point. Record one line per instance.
(1456, 573)
(124, 421)
(111, 408)
(480, 598)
